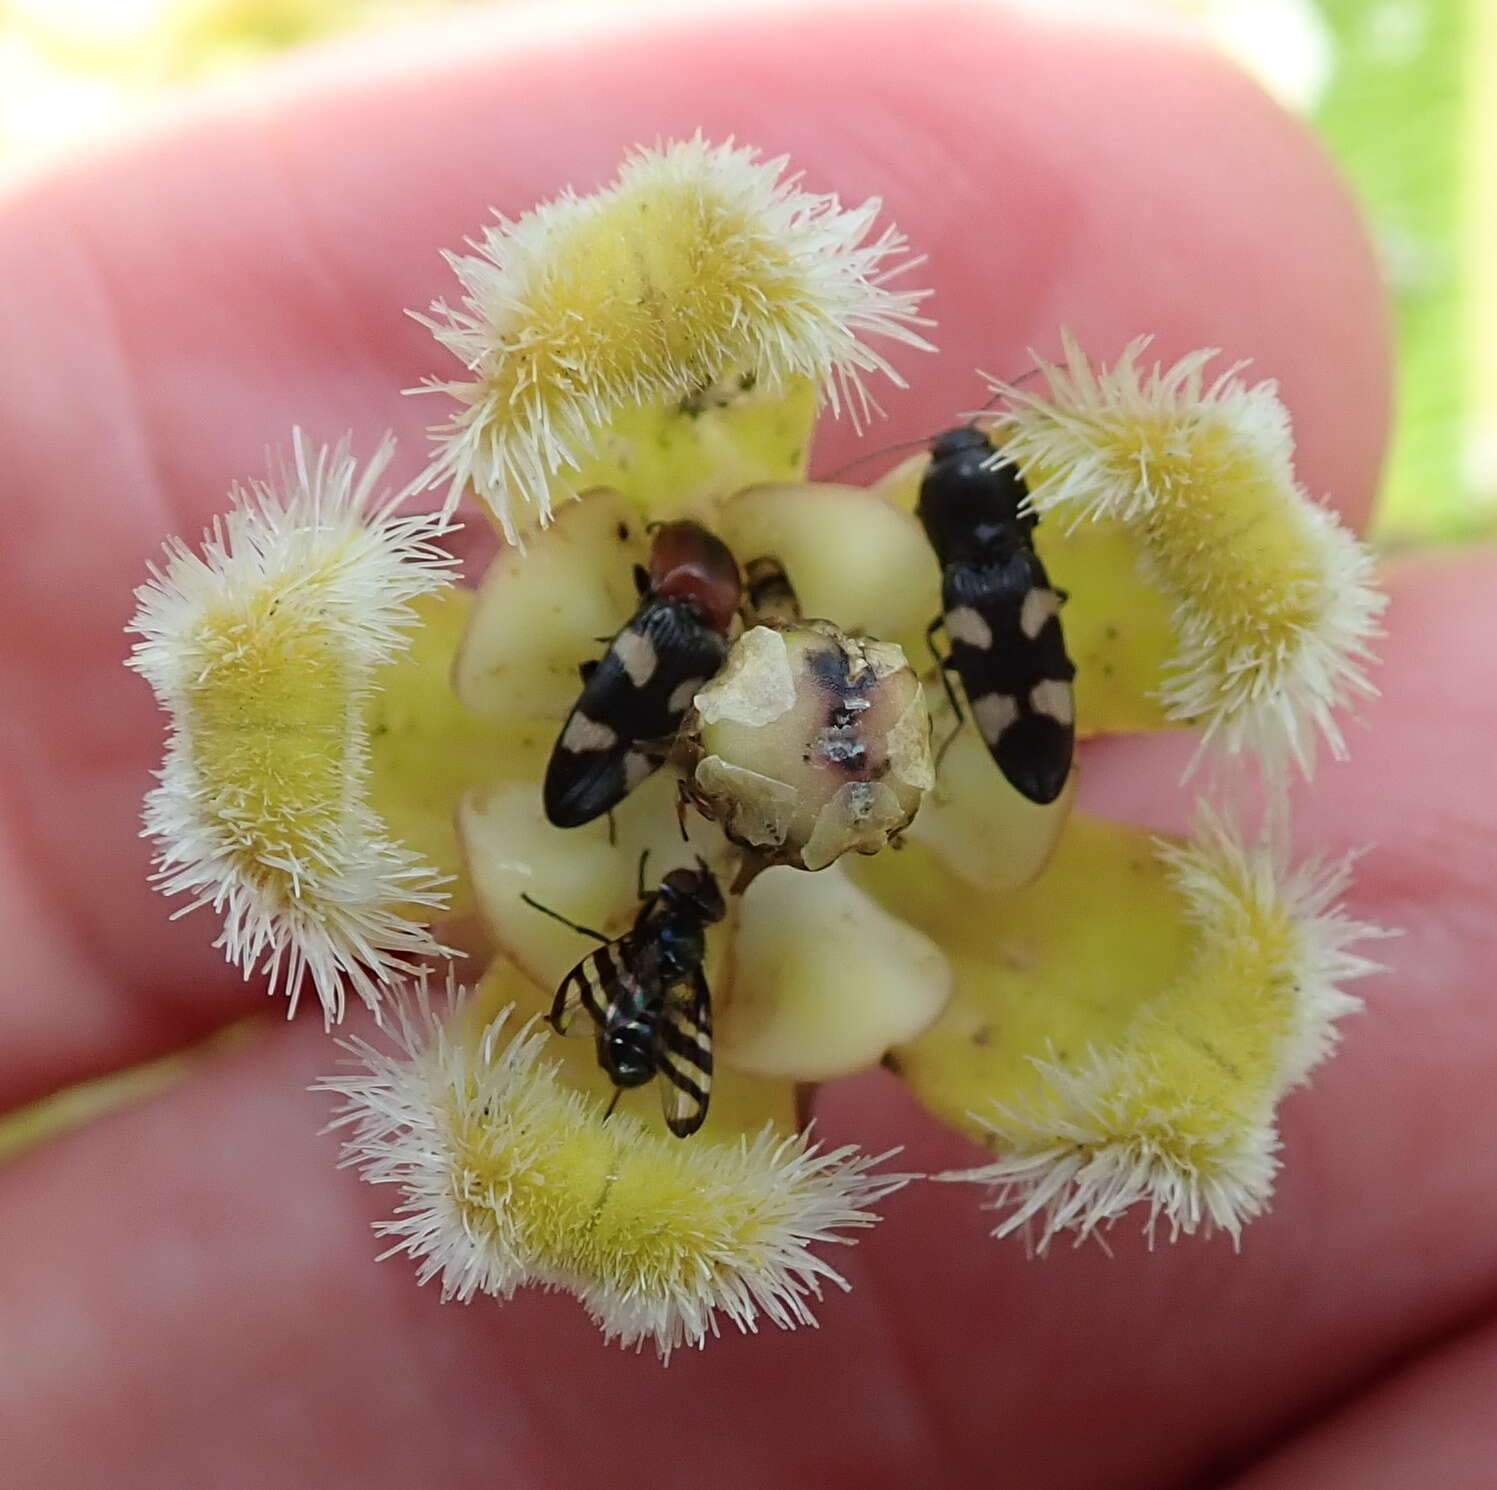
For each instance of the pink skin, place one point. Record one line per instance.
(187, 1291)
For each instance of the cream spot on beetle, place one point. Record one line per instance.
(963, 624)
(637, 654)
(1039, 607)
(637, 766)
(583, 734)
(1053, 698)
(994, 713)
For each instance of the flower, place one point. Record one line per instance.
(1115, 1018)
(263, 648)
(702, 273)
(1273, 599)
(1147, 1122)
(509, 1179)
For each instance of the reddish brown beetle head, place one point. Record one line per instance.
(689, 563)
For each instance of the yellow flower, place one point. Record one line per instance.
(1116, 1016)
(1115, 1019)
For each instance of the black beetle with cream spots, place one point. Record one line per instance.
(636, 695)
(1000, 613)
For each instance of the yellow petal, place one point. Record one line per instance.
(425, 748)
(673, 461)
(851, 557)
(979, 825)
(263, 646)
(1123, 1030)
(508, 1177)
(1273, 600)
(1046, 972)
(822, 980)
(596, 331)
(543, 610)
(511, 850)
(1118, 628)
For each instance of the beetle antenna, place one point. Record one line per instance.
(842, 470)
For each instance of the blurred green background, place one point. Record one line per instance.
(1394, 86)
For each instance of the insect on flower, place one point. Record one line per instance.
(647, 995)
(360, 752)
(1000, 613)
(636, 695)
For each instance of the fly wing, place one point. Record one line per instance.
(594, 987)
(684, 1056)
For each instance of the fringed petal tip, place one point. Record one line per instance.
(1178, 1118)
(1088, 1155)
(1274, 600)
(262, 648)
(510, 1178)
(700, 264)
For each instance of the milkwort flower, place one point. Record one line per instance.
(1115, 1019)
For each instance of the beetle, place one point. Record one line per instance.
(635, 696)
(1000, 612)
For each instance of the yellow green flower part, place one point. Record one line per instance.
(702, 282)
(1111, 1017)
